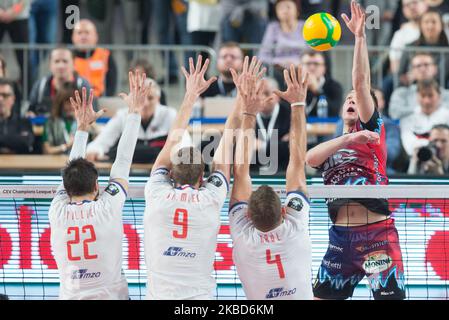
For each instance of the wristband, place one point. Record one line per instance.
(298, 104)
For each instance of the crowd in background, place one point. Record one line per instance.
(415, 109)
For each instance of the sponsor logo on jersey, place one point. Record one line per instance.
(84, 274)
(332, 265)
(279, 292)
(377, 262)
(295, 203)
(216, 181)
(112, 189)
(375, 245)
(335, 248)
(178, 252)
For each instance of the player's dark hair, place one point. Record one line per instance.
(265, 208)
(79, 177)
(189, 166)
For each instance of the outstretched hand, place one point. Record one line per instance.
(297, 84)
(84, 112)
(249, 85)
(195, 79)
(357, 23)
(138, 91)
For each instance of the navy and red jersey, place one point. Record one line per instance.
(359, 164)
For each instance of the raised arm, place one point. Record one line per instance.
(316, 156)
(361, 76)
(195, 85)
(138, 91)
(250, 89)
(296, 95)
(224, 154)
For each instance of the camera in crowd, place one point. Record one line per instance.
(427, 152)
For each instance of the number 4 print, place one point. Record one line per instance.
(277, 261)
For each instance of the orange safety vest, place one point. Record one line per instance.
(94, 69)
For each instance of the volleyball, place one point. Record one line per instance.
(322, 31)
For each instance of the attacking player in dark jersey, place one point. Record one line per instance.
(363, 240)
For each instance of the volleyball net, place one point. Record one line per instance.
(29, 271)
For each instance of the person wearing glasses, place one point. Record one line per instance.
(405, 99)
(322, 90)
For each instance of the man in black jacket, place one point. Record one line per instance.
(325, 95)
(273, 127)
(16, 134)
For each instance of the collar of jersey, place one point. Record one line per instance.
(79, 203)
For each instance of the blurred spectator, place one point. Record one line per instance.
(171, 18)
(381, 36)
(93, 63)
(16, 133)
(283, 42)
(441, 6)
(14, 15)
(404, 99)
(310, 7)
(17, 90)
(408, 33)
(230, 55)
(432, 159)
(203, 22)
(416, 127)
(273, 117)
(432, 34)
(156, 122)
(392, 131)
(243, 21)
(42, 27)
(325, 95)
(145, 66)
(62, 75)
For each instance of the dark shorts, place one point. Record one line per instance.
(355, 252)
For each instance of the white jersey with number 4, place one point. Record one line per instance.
(181, 227)
(275, 264)
(86, 240)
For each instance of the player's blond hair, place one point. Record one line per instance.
(188, 167)
(265, 208)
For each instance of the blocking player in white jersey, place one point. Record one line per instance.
(272, 249)
(182, 216)
(87, 227)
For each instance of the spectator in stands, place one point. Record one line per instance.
(243, 21)
(324, 95)
(416, 127)
(404, 99)
(409, 31)
(60, 128)
(432, 34)
(392, 131)
(202, 22)
(274, 116)
(14, 15)
(17, 90)
(283, 42)
(62, 75)
(156, 122)
(309, 7)
(171, 19)
(381, 36)
(93, 63)
(435, 156)
(16, 133)
(230, 55)
(42, 27)
(145, 66)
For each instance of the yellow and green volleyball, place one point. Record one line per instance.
(322, 31)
